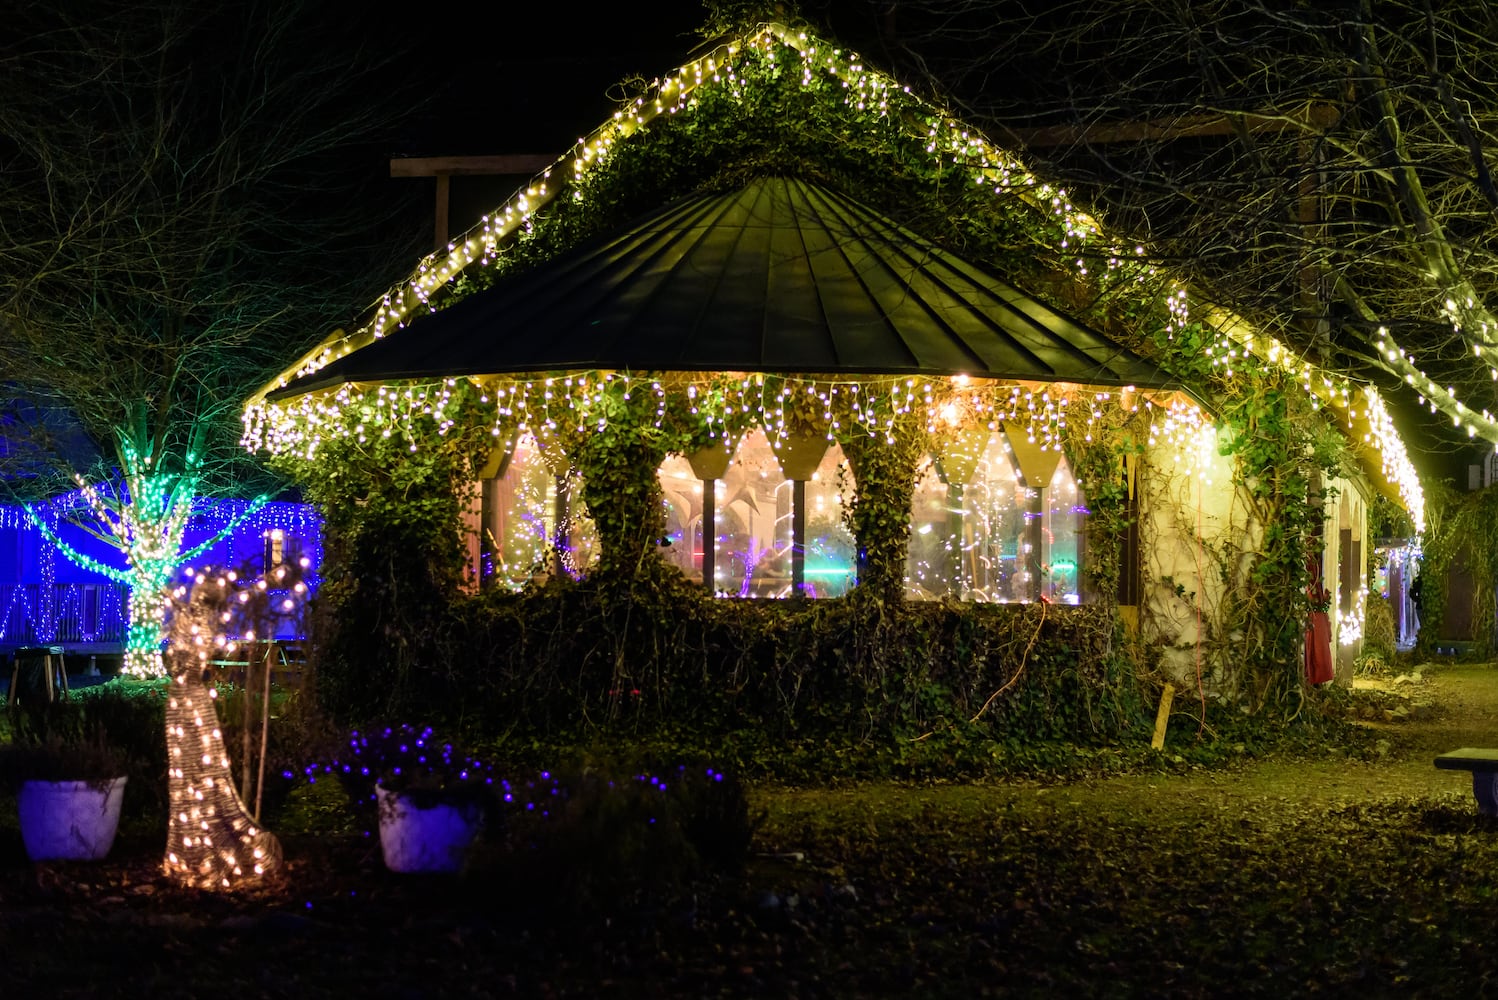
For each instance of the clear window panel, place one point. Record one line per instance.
(995, 514)
(682, 497)
(831, 554)
(754, 524)
(520, 528)
(1064, 521)
(973, 540)
(932, 563)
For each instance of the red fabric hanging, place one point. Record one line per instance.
(1319, 666)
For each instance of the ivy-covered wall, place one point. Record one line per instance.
(393, 561)
(395, 630)
(1238, 548)
(1230, 539)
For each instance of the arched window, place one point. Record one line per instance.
(978, 533)
(532, 521)
(757, 514)
(1062, 527)
(682, 494)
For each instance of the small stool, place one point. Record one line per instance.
(40, 669)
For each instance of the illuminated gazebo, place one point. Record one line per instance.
(783, 328)
(792, 280)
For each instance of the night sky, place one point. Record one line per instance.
(535, 86)
(539, 88)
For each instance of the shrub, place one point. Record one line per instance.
(53, 758)
(404, 758)
(1379, 638)
(587, 841)
(574, 661)
(128, 717)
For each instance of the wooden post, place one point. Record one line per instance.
(440, 228)
(248, 721)
(443, 168)
(489, 505)
(560, 536)
(1162, 716)
(271, 650)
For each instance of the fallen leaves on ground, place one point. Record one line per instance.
(1252, 882)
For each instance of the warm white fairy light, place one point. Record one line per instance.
(1350, 623)
(297, 427)
(212, 840)
(548, 405)
(1371, 423)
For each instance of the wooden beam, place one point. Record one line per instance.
(462, 166)
(1313, 116)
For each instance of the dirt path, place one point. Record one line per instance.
(1466, 714)
(1281, 877)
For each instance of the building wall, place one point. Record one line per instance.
(1344, 567)
(1188, 510)
(1195, 528)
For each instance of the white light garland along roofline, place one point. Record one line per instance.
(296, 426)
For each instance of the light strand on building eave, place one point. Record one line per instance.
(418, 414)
(1237, 339)
(949, 141)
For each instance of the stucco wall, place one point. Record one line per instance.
(1189, 509)
(1195, 528)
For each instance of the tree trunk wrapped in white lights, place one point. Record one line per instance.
(212, 841)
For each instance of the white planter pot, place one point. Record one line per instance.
(431, 839)
(73, 820)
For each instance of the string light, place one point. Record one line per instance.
(212, 840)
(1350, 623)
(229, 529)
(297, 427)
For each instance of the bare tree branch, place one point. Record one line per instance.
(1365, 232)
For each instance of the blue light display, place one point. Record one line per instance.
(46, 600)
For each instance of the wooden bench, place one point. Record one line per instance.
(1483, 763)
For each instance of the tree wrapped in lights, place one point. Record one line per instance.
(145, 519)
(148, 281)
(212, 840)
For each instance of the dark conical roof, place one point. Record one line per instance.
(780, 276)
